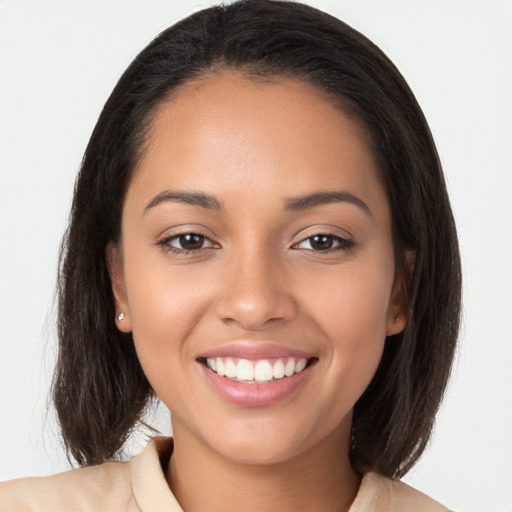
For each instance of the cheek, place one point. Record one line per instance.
(164, 305)
(352, 313)
(353, 303)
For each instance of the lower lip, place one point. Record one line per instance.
(255, 395)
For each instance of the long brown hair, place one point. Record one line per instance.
(100, 390)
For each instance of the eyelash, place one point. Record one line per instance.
(343, 244)
(165, 244)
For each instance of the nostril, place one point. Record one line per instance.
(254, 300)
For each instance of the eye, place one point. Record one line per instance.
(186, 242)
(324, 242)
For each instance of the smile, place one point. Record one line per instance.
(248, 374)
(260, 371)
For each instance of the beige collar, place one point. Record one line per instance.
(152, 493)
(150, 488)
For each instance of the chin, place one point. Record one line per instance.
(261, 443)
(260, 452)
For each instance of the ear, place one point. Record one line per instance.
(398, 310)
(116, 271)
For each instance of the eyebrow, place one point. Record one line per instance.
(210, 202)
(320, 198)
(200, 199)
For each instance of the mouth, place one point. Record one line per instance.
(259, 371)
(251, 375)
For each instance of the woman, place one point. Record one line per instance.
(251, 240)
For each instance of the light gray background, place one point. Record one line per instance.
(59, 61)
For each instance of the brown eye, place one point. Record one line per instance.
(190, 242)
(321, 242)
(324, 242)
(186, 242)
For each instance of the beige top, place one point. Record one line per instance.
(140, 486)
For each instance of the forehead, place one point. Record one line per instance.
(226, 133)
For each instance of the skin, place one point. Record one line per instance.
(253, 145)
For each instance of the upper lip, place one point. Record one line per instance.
(249, 349)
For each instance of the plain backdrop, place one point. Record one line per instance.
(59, 61)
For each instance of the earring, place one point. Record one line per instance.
(120, 317)
(397, 318)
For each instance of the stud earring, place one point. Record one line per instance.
(120, 317)
(397, 318)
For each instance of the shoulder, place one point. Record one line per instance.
(383, 494)
(408, 498)
(104, 487)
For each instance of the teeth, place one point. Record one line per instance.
(257, 372)
(230, 369)
(289, 369)
(301, 364)
(244, 370)
(220, 367)
(278, 370)
(263, 371)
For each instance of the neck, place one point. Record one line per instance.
(320, 478)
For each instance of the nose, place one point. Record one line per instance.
(255, 292)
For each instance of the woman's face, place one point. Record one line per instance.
(256, 267)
